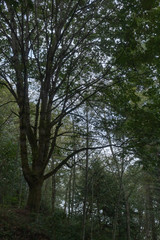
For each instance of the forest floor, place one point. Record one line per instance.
(18, 224)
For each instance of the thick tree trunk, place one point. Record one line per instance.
(34, 196)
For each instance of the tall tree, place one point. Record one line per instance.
(86, 176)
(51, 63)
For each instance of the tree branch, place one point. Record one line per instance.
(62, 163)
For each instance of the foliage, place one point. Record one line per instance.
(78, 72)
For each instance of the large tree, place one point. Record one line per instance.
(50, 60)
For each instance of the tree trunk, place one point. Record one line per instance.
(150, 218)
(53, 192)
(69, 194)
(34, 196)
(74, 171)
(127, 218)
(20, 192)
(86, 178)
(53, 198)
(92, 209)
(73, 186)
(65, 203)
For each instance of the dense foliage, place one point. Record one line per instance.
(79, 119)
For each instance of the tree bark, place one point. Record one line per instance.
(34, 196)
(53, 198)
(92, 209)
(69, 193)
(66, 198)
(86, 178)
(53, 192)
(115, 220)
(150, 228)
(73, 186)
(127, 215)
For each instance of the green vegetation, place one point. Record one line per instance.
(79, 120)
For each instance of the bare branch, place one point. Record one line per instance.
(71, 155)
(6, 103)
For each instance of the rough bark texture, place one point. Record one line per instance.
(34, 196)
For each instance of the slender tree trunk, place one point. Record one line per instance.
(127, 216)
(69, 194)
(53, 189)
(53, 192)
(65, 203)
(120, 176)
(92, 210)
(140, 222)
(74, 170)
(20, 192)
(86, 178)
(115, 220)
(73, 185)
(152, 218)
(150, 228)
(147, 230)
